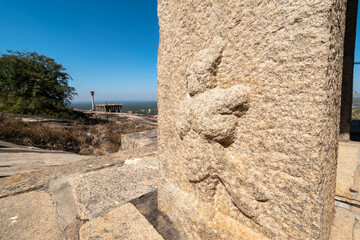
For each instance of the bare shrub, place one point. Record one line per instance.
(77, 137)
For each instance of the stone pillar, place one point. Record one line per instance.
(348, 70)
(249, 109)
(92, 100)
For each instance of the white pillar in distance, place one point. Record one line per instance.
(92, 101)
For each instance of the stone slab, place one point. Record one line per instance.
(18, 159)
(23, 182)
(64, 198)
(93, 194)
(29, 216)
(342, 225)
(99, 191)
(348, 169)
(139, 139)
(125, 223)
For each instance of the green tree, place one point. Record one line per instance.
(33, 84)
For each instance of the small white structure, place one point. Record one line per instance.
(92, 101)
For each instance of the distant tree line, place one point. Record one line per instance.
(33, 84)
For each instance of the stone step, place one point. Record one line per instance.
(89, 195)
(124, 222)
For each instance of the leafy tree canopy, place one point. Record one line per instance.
(33, 84)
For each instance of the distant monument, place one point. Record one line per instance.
(115, 107)
(92, 101)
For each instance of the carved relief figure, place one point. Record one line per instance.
(207, 123)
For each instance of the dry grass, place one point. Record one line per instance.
(76, 137)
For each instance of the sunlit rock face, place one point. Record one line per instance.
(249, 99)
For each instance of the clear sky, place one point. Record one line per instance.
(357, 56)
(109, 46)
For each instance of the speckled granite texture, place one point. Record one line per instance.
(249, 100)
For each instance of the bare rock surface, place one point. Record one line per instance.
(29, 216)
(139, 139)
(114, 116)
(356, 233)
(39, 179)
(18, 159)
(65, 200)
(125, 223)
(72, 231)
(348, 173)
(343, 225)
(92, 194)
(64, 213)
(147, 205)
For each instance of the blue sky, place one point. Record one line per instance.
(357, 56)
(108, 46)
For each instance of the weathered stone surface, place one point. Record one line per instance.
(147, 205)
(23, 182)
(92, 194)
(29, 216)
(248, 98)
(72, 231)
(348, 173)
(19, 159)
(65, 200)
(342, 225)
(125, 223)
(356, 233)
(139, 139)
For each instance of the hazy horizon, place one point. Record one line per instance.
(111, 101)
(140, 107)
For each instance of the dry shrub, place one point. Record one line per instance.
(42, 135)
(77, 137)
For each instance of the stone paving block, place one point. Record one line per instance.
(29, 216)
(95, 193)
(125, 223)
